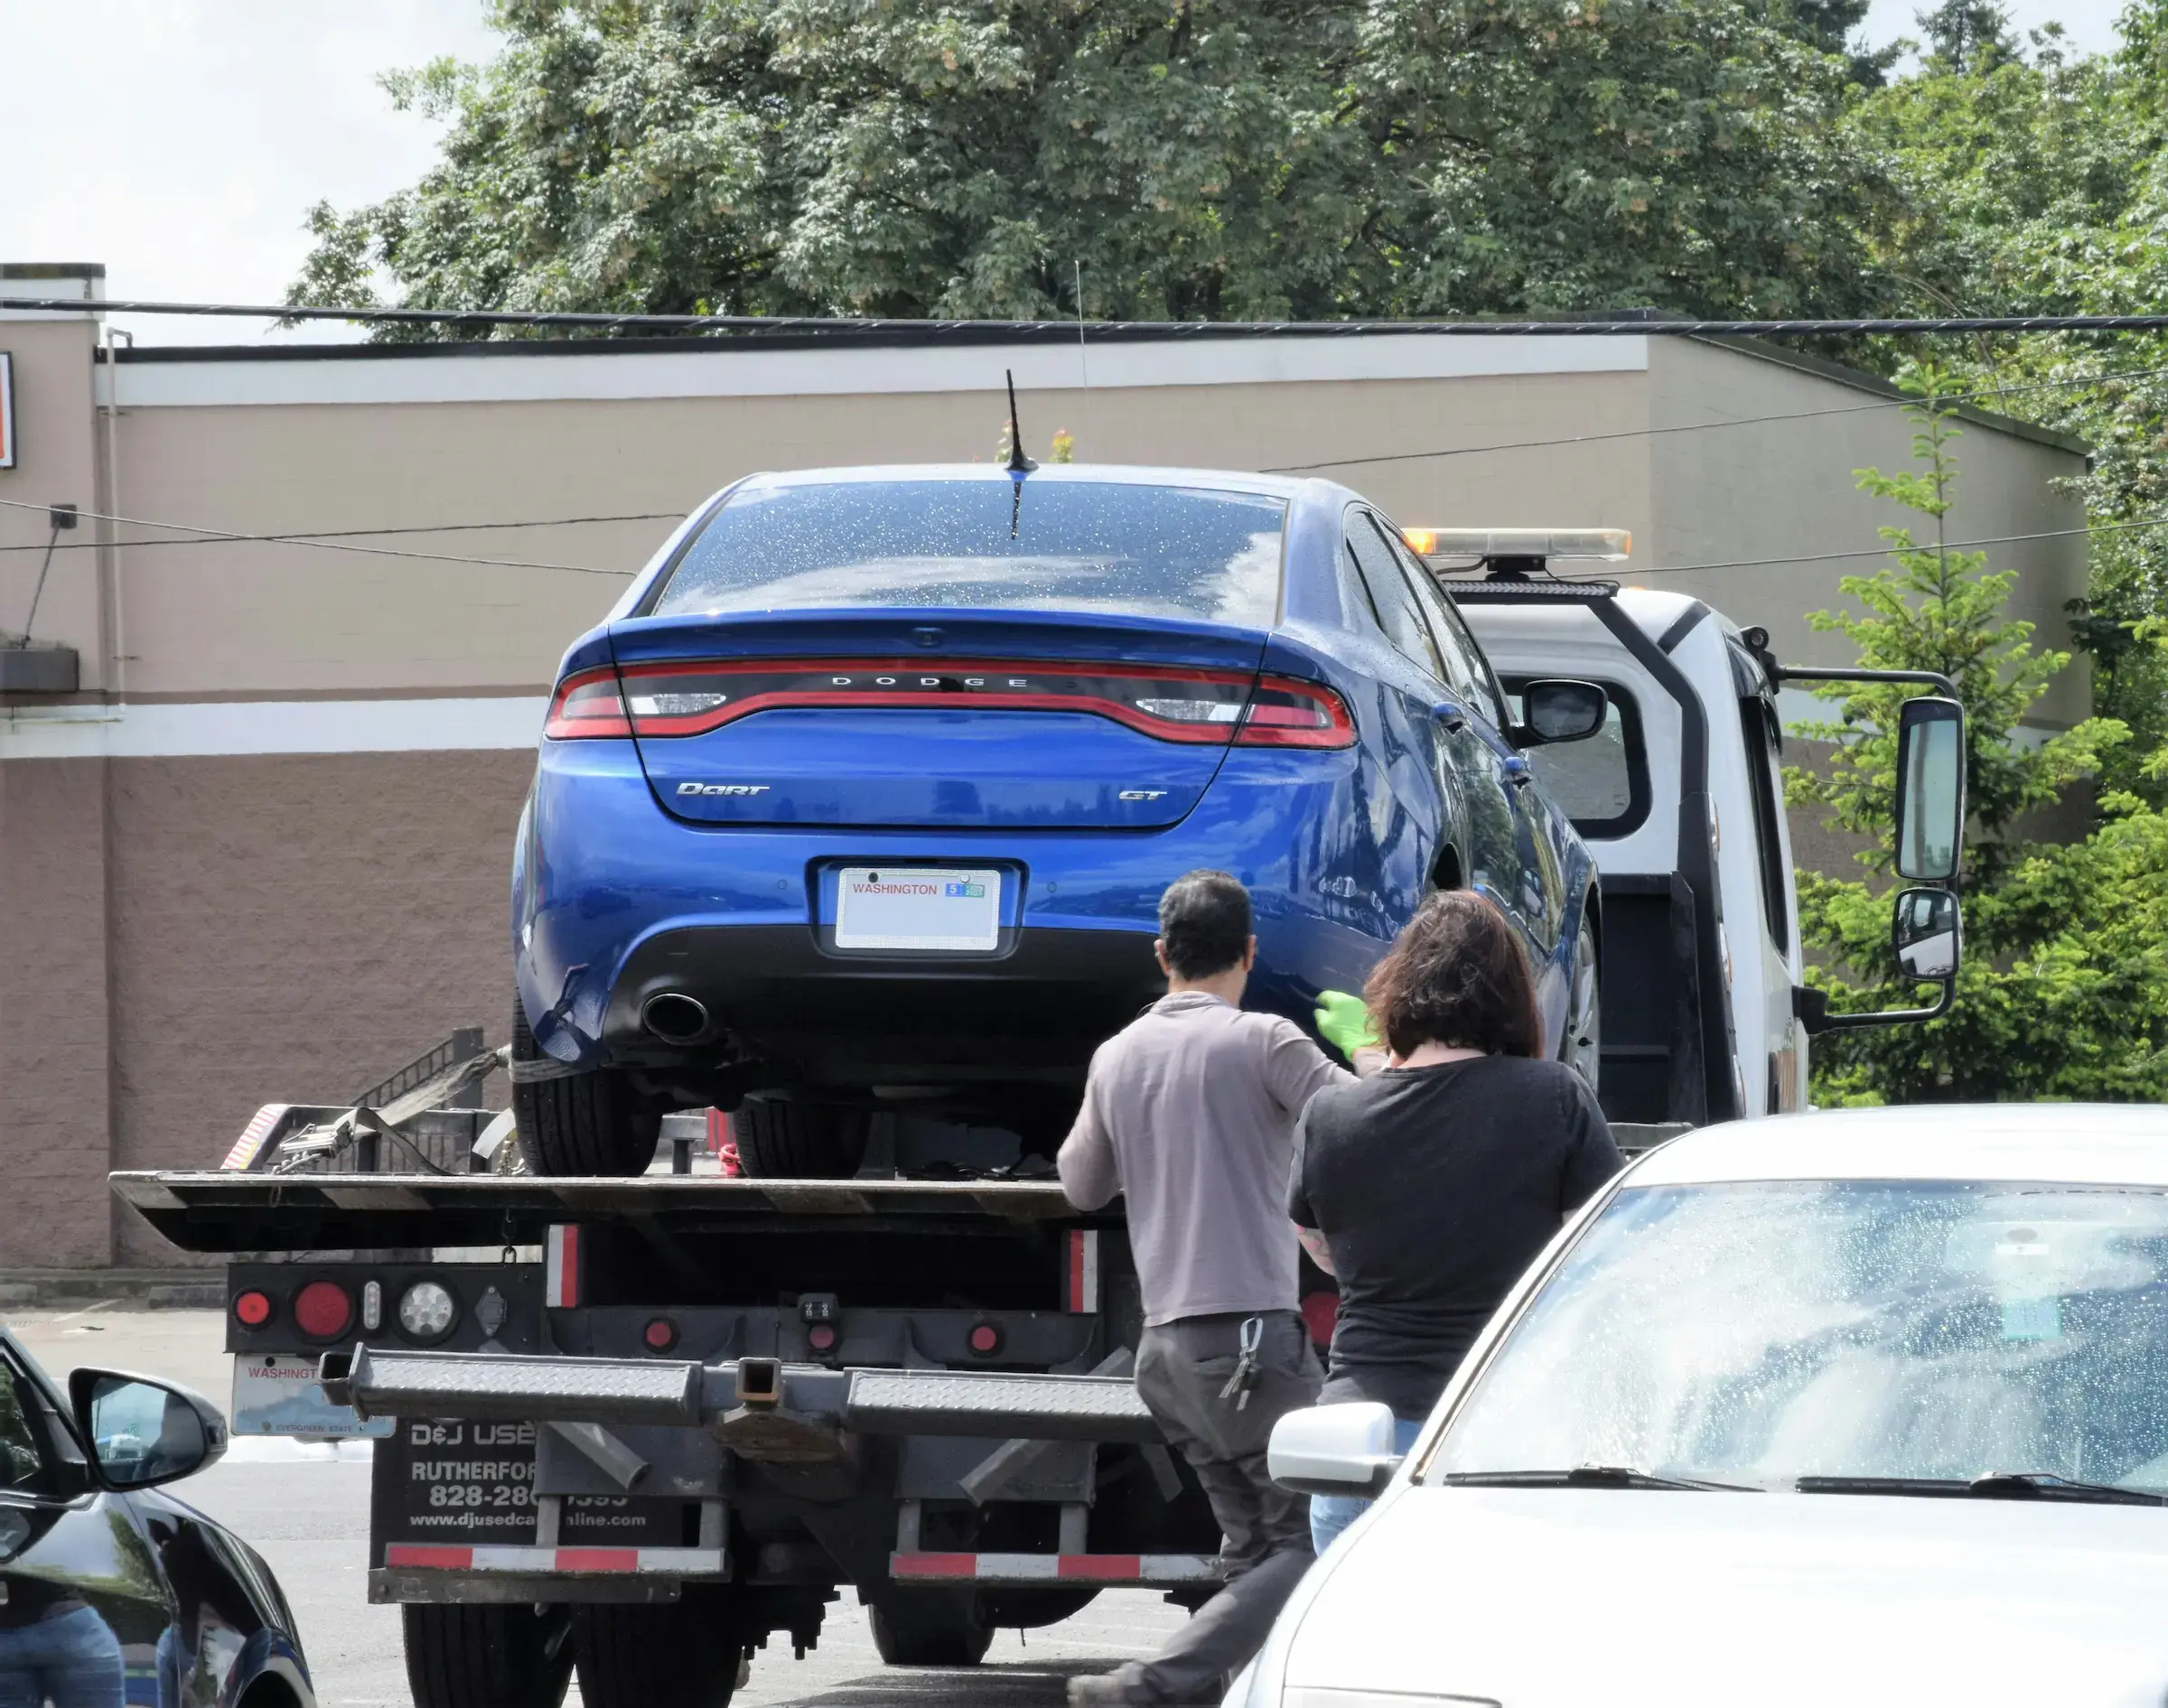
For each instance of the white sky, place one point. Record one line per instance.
(2090, 25)
(180, 142)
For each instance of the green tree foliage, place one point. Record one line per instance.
(1968, 35)
(2039, 186)
(1200, 158)
(2064, 990)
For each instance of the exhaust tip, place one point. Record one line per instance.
(675, 1018)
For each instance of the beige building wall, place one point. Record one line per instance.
(263, 855)
(1787, 490)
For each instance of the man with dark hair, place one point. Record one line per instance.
(1188, 1113)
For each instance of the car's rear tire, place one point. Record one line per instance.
(486, 1656)
(1582, 1047)
(686, 1654)
(790, 1141)
(590, 1122)
(930, 1627)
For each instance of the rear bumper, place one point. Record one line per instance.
(613, 901)
(1036, 1011)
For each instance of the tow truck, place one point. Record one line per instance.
(641, 1427)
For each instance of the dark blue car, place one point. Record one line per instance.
(113, 1594)
(863, 799)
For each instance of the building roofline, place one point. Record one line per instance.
(871, 334)
(977, 335)
(1859, 379)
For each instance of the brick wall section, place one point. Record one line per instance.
(291, 929)
(53, 1036)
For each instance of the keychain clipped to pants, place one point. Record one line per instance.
(1245, 1378)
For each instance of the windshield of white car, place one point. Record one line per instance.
(1115, 547)
(1952, 1336)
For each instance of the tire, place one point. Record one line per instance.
(1582, 1047)
(687, 1654)
(930, 1629)
(582, 1122)
(779, 1140)
(486, 1656)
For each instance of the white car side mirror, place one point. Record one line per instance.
(1335, 1449)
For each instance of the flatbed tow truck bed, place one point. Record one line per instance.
(218, 1210)
(738, 1393)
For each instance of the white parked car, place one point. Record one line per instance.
(1867, 1408)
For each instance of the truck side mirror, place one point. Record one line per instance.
(1930, 789)
(1924, 930)
(1561, 710)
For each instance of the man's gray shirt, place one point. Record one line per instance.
(1188, 1113)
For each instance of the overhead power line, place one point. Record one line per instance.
(1907, 402)
(845, 328)
(317, 535)
(329, 543)
(324, 545)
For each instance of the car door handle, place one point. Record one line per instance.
(1451, 716)
(1517, 773)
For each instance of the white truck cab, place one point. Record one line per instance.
(1680, 799)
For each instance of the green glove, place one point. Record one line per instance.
(1344, 1023)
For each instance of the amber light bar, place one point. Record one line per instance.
(1608, 545)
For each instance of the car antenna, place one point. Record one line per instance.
(1018, 462)
(1020, 465)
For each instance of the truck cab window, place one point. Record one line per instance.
(1763, 732)
(1391, 597)
(1602, 783)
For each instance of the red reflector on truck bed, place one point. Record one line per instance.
(1170, 703)
(1143, 1569)
(415, 1556)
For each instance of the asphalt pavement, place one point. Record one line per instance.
(305, 1507)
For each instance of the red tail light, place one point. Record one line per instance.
(586, 705)
(252, 1309)
(322, 1309)
(1168, 703)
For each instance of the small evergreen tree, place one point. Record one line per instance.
(1969, 36)
(1937, 609)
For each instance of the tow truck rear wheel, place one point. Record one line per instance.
(790, 1141)
(588, 1123)
(487, 1656)
(685, 1654)
(930, 1627)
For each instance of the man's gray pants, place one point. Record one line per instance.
(1181, 1369)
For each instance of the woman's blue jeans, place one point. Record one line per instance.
(1331, 1514)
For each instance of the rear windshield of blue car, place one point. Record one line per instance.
(1142, 551)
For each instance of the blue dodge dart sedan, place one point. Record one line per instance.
(863, 799)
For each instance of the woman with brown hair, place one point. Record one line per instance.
(1427, 1188)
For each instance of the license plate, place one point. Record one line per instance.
(280, 1396)
(917, 908)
